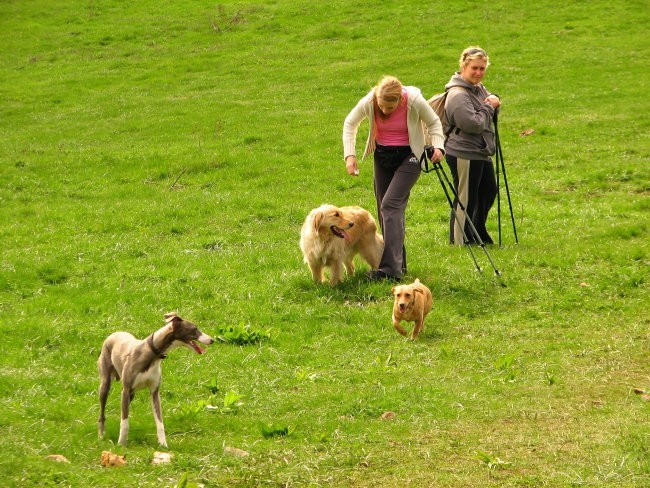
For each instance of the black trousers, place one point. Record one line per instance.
(476, 187)
(396, 170)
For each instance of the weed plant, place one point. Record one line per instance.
(161, 156)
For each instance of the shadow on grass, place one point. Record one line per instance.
(356, 289)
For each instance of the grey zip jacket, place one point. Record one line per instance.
(470, 120)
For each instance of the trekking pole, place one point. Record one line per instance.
(468, 220)
(437, 168)
(499, 158)
(498, 184)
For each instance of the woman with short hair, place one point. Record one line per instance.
(470, 109)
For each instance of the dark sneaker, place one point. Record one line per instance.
(377, 275)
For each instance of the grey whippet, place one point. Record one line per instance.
(138, 364)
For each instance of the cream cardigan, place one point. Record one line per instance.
(420, 118)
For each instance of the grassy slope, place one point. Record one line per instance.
(163, 157)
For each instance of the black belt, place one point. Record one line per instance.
(393, 149)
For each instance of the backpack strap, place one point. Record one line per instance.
(451, 127)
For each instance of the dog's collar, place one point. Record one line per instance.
(155, 350)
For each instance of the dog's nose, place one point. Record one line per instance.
(206, 339)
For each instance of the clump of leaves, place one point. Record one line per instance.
(242, 334)
(303, 374)
(506, 367)
(184, 482)
(275, 430)
(232, 401)
(492, 462)
(213, 386)
(550, 378)
(384, 365)
(194, 408)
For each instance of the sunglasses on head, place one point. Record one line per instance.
(474, 52)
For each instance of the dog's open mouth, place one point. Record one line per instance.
(338, 232)
(196, 347)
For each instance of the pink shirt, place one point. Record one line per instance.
(393, 130)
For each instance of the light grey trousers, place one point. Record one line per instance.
(476, 188)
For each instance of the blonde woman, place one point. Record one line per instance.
(470, 108)
(396, 114)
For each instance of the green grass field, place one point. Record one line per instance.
(159, 156)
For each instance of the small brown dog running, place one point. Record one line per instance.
(412, 304)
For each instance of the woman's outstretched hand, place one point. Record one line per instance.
(351, 165)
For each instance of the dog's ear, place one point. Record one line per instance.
(170, 316)
(417, 290)
(175, 321)
(392, 290)
(316, 220)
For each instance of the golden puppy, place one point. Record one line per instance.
(412, 304)
(331, 237)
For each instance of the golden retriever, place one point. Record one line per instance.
(412, 304)
(331, 237)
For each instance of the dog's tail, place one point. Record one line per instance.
(104, 363)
